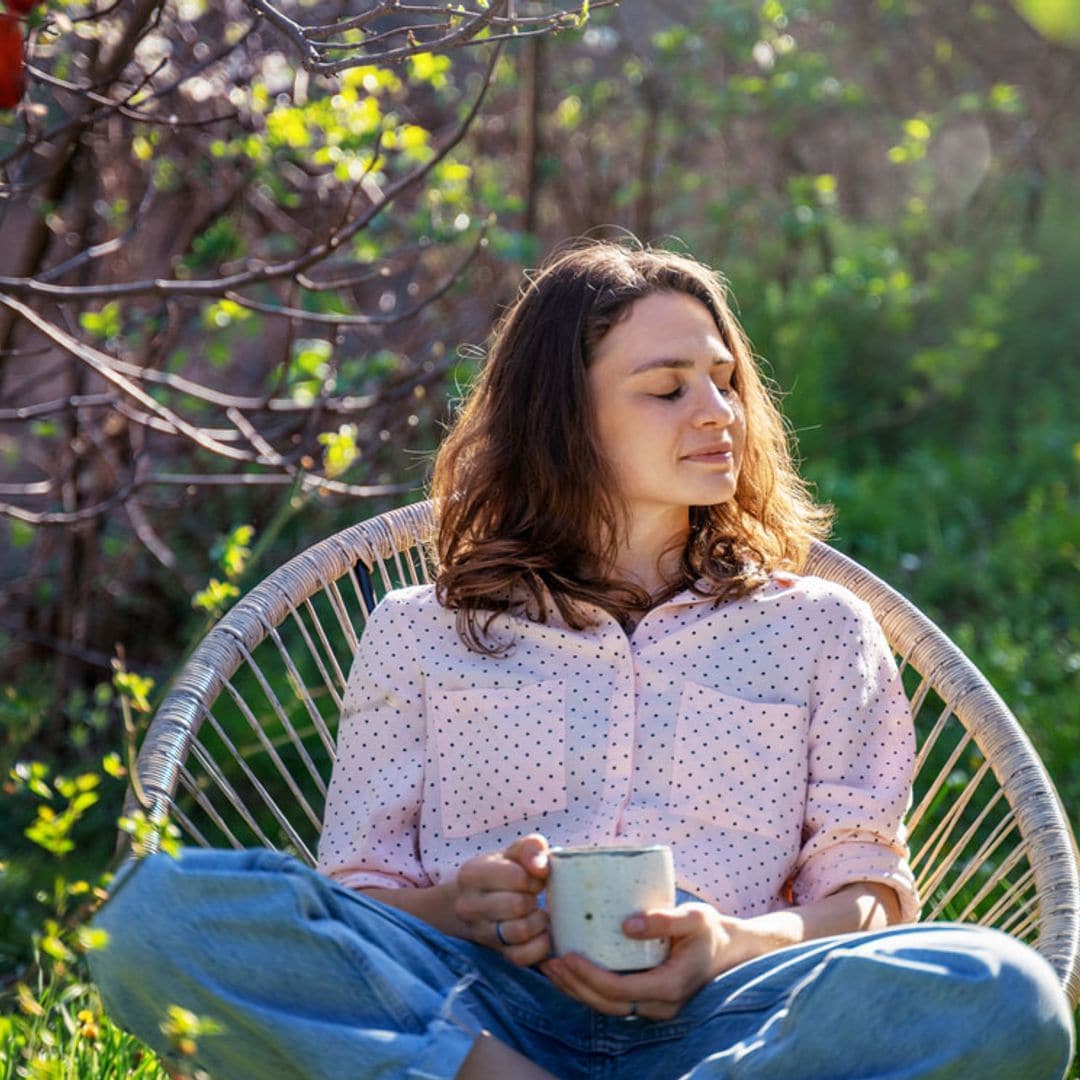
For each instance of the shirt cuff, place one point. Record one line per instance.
(846, 864)
(371, 879)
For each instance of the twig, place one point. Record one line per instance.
(251, 433)
(47, 408)
(309, 482)
(67, 517)
(368, 320)
(34, 487)
(88, 656)
(455, 38)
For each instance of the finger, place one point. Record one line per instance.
(566, 980)
(518, 931)
(664, 923)
(530, 952)
(684, 921)
(495, 906)
(531, 853)
(523, 942)
(493, 873)
(656, 984)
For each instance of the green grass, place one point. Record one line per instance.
(60, 1031)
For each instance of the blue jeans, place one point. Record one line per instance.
(312, 980)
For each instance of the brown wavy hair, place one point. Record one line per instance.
(528, 514)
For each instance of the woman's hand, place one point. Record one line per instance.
(496, 900)
(703, 944)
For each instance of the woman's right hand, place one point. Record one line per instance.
(497, 892)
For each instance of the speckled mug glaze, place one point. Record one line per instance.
(592, 890)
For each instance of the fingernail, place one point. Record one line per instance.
(634, 925)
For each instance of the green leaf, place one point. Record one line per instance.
(1005, 98)
(103, 324)
(1058, 20)
(214, 598)
(52, 946)
(233, 550)
(917, 129)
(40, 788)
(135, 688)
(81, 803)
(310, 357)
(341, 449)
(288, 127)
(90, 938)
(429, 68)
(224, 313)
(112, 764)
(20, 532)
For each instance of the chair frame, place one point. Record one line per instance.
(370, 552)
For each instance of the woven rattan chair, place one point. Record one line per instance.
(240, 751)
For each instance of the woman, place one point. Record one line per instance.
(617, 649)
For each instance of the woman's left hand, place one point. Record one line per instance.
(703, 944)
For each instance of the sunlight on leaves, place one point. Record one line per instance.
(135, 688)
(341, 449)
(1058, 20)
(215, 597)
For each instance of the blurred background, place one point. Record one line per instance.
(238, 298)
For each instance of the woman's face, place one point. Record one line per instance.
(667, 419)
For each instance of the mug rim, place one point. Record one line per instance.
(570, 851)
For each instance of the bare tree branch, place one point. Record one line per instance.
(440, 289)
(72, 517)
(48, 408)
(451, 26)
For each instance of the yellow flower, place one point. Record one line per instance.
(88, 1028)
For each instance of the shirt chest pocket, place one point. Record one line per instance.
(740, 765)
(501, 754)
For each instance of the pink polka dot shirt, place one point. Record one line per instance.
(767, 740)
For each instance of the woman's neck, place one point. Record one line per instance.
(650, 550)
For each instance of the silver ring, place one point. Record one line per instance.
(632, 1014)
(499, 934)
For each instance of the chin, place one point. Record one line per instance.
(719, 495)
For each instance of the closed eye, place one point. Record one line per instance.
(674, 395)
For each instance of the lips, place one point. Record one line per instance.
(718, 453)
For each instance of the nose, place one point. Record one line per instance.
(715, 408)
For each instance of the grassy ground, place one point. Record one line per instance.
(63, 1034)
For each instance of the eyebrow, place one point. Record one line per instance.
(721, 359)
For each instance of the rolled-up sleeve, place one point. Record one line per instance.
(860, 765)
(370, 834)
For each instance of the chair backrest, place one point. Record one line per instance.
(241, 749)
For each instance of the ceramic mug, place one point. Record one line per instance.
(592, 890)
